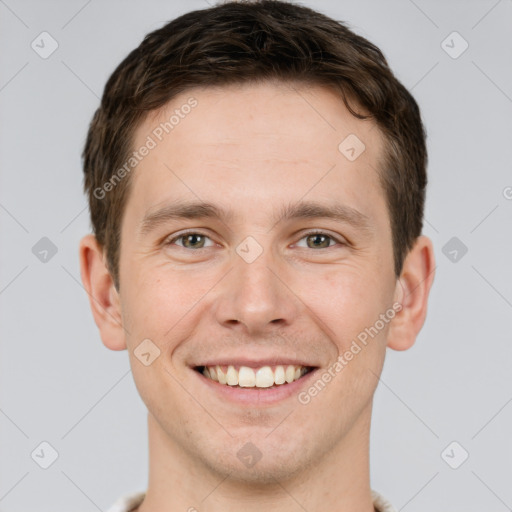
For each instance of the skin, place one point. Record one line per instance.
(253, 149)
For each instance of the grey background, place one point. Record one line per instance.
(59, 384)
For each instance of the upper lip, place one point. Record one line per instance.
(255, 362)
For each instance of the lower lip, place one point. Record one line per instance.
(257, 396)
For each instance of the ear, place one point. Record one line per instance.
(412, 291)
(103, 297)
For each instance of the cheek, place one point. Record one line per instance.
(162, 303)
(157, 291)
(350, 305)
(348, 301)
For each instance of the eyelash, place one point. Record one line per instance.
(305, 235)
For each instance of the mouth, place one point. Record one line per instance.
(257, 377)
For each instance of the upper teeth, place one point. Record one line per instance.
(247, 377)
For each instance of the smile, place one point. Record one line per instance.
(248, 377)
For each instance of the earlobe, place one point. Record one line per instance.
(103, 297)
(412, 291)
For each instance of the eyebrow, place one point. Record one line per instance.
(298, 210)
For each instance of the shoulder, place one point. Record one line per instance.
(128, 502)
(381, 504)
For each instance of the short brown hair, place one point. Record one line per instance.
(250, 41)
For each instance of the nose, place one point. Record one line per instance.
(256, 296)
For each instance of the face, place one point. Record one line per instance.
(265, 275)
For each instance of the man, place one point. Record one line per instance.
(256, 181)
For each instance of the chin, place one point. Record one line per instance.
(260, 461)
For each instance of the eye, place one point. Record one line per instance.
(320, 240)
(197, 240)
(191, 240)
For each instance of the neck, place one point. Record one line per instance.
(337, 481)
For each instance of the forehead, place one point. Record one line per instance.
(276, 111)
(258, 142)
